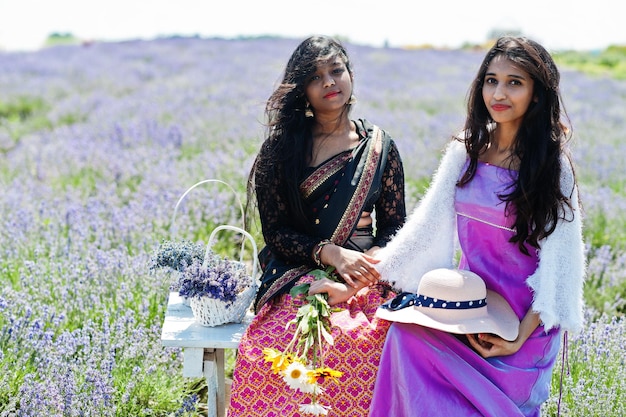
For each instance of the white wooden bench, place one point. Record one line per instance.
(203, 348)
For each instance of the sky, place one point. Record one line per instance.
(557, 24)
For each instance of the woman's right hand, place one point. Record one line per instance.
(356, 268)
(338, 292)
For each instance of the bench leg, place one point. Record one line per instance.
(215, 379)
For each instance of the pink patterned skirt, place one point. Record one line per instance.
(358, 341)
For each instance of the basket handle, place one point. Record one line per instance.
(172, 224)
(238, 230)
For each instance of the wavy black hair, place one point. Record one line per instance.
(284, 153)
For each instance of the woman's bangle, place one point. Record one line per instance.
(317, 253)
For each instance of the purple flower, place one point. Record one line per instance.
(97, 144)
(221, 279)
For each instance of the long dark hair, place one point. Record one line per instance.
(536, 198)
(288, 146)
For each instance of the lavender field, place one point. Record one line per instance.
(98, 142)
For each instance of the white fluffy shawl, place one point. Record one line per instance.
(428, 241)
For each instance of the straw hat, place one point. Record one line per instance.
(454, 301)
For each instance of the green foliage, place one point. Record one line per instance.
(85, 179)
(156, 390)
(602, 229)
(61, 38)
(20, 116)
(589, 374)
(21, 108)
(605, 285)
(417, 185)
(609, 62)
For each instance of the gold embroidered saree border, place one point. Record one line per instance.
(350, 216)
(317, 178)
(280, 282)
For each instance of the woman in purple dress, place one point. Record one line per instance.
(506, 192)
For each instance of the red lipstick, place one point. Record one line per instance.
(500, 107)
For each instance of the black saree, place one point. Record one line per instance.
(334, 196)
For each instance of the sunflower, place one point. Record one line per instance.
(280, 361)
(315, 374)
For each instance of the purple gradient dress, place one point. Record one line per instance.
(427, 372)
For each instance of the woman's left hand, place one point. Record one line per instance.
(356, 268)
(489, 345)
(338, 292)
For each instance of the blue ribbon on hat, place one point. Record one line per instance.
(408, 299)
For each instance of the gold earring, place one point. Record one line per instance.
(352, 99)
(307, 110)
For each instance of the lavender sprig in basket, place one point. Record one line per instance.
(177, 255)
(223, 279)
(220, 290)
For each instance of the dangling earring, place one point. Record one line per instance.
(352, 99)
(307, 110)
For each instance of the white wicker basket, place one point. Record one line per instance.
(212, 312)
(187, 301)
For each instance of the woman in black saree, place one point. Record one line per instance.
(330, 192)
